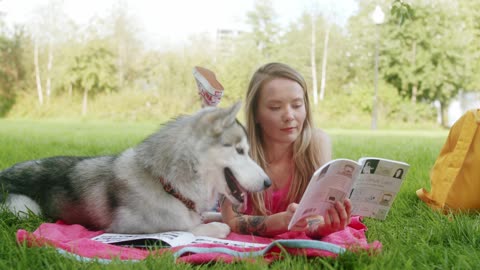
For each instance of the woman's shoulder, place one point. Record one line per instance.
(321, 135)
(323, 144)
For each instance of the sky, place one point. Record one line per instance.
(172, 21)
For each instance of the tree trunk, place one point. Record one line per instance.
(313, 63)
(37, 73)
(414, 59)
(48, 87)
(85, 101)
(70, 90)
(443, 113)
(121, 64)
(414, 93)
(324, 63)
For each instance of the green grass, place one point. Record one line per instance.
(413, 236)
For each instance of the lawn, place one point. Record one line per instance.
(413, 236)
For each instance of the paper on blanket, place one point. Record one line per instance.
(167, 239)
(371, 184)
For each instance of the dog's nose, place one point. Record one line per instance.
(267, 182)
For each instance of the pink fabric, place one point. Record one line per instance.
(275, 200)
(77, 240)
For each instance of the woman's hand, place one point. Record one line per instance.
(336, 219)
(300, 225)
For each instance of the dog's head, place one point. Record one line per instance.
(226, 159)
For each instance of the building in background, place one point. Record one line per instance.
(225, 41)
(461, 104)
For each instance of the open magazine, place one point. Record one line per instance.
(167, 239)
(371, 184)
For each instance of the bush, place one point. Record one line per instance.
(6, 103)
(352, 108)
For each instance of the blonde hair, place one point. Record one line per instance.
(307, 154)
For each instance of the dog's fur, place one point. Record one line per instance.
(197, 155)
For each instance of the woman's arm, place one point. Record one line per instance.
(336, 219)
(324, 144)
(259, 225)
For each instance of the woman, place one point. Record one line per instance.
(285, 144)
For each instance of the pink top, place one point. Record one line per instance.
(275, 200)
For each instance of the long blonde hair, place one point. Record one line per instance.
(306, 149)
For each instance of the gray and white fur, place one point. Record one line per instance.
(197, 155)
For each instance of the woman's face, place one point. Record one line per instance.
(281, 110)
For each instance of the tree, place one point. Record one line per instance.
(48, 28)
(94, 71)
(38, 79)
(295, 48)
(425, 55)
(324, 62)
(471, 21)
(401, 11)
(313, 60)
(12, 69)
(265, 30)
(123, 35)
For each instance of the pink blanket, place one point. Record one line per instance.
(76, 240)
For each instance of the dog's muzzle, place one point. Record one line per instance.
(235, 189)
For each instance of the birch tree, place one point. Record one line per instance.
(324, 61)
(313, 61)
(36, 63)
(47, 32)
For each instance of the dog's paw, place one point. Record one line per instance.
(211, 216)
(212, 229)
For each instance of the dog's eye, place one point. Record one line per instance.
(240, 151)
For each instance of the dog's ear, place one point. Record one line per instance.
(231, 114)
(219, 119)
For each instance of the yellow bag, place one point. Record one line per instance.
(455, 176)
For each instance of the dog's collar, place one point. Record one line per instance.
(172, 191)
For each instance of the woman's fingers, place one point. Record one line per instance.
(291, 208)
(299, 226)
(348, 209)
(334, 218)
(342, 215)
(348, 205)
(338, 216)
(327, 220)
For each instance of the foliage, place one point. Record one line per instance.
(12, 71)
(265, 31)
(423, 57)
(356, 108)
(93, 69)
(428, 52)
(471, 25)
(401, 11)
(428, 58)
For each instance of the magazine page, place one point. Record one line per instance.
(172, 239)
(226, 242)
(331, 183)
(377, 186)
(168, 239)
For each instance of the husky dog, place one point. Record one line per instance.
(162, 184)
